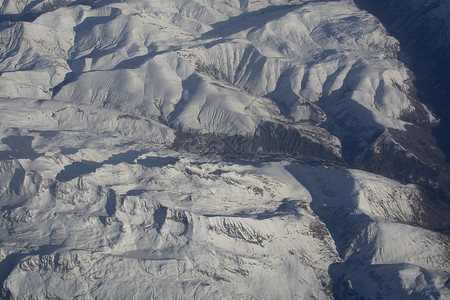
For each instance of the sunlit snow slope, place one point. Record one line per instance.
(214, 149)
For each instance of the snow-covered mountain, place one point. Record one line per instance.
(423, 29)
(214, 149)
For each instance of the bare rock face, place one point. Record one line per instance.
(219, 149)
(270, 140)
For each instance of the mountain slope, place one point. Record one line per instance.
(411, 22)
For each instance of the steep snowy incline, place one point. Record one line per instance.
(214, 149)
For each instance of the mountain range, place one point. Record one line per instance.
(252, 149)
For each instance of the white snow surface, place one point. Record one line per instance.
(94, 204)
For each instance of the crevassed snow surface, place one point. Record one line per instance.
(95, 203)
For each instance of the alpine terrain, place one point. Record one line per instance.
(224, 149)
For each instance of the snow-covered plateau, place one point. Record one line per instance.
(214, 149)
